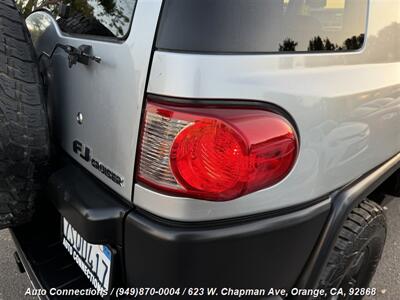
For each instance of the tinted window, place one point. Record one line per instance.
(109, 18)
(262, 25)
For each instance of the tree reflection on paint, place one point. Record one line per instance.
(97, 17)
(288, 45)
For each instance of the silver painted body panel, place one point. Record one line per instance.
(346, 106)
(109, 95)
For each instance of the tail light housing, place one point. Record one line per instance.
(213, 152)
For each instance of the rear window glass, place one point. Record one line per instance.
(106, 18)
(262, 25)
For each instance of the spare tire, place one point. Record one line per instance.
(24, 138)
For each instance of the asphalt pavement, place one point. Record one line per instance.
(13, 285)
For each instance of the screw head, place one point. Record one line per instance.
(79, 118)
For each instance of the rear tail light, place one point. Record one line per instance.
(215, 153)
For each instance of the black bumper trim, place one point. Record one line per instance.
(97, 213)
(265, 253)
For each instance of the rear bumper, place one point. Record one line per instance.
(261, 252)
(282, 250)
(264, 253)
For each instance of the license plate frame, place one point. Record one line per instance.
(95, 261)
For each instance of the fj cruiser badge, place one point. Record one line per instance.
(85, 153)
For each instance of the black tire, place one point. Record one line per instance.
(357, 252)
(24, 139)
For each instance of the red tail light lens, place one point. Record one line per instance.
(208, 156)
(214, 153)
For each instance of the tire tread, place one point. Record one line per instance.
(24, 141)
(358, 221)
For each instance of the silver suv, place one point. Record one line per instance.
(214, 148)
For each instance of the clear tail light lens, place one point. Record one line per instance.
(215, 153)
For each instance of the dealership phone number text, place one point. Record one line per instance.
(240, 293)
(233, 293)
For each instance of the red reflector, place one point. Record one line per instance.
(214, 153)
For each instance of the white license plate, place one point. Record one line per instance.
(94, 260)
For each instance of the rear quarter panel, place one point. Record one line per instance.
(346, 106)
